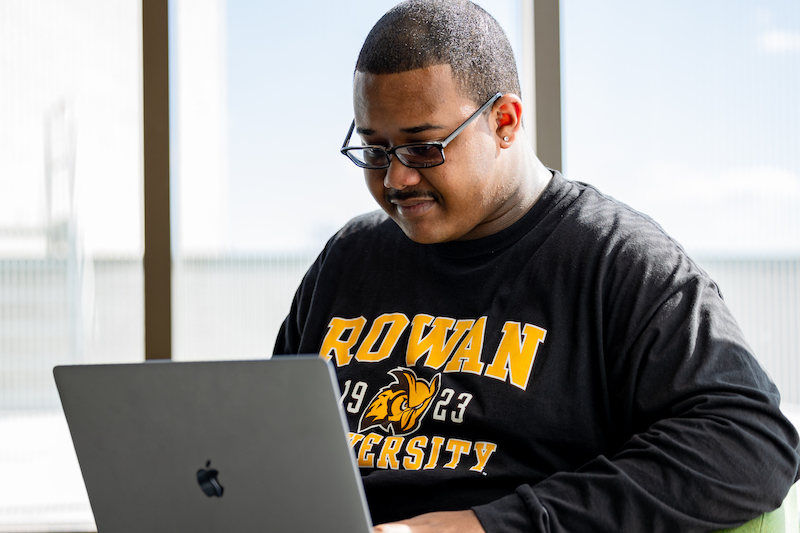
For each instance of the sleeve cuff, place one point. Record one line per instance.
(516, 512)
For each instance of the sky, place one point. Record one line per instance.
(689, 111)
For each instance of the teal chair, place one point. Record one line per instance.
(784, 519)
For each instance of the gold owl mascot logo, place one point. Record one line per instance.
(399, 407)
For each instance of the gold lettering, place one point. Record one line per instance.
(436, 447)
(396, 323)
(388, 455)
(435, 344)
(355, 438)
(366, 459)
(416, 453)
(336, 342)
(410, 453)
(458, 448)
(468, 356)
(483, 450)
(516, 354)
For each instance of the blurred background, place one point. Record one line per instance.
(685, 110)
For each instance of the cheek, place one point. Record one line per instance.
(483, 171)
(374, 182)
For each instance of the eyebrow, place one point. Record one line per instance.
(411, 130)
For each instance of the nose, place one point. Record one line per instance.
(398, 176)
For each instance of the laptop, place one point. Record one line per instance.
(214, 446)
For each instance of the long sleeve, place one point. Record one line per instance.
(709, 447)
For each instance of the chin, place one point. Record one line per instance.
(423, 240)
(423, 236)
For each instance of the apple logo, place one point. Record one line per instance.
(208, 481)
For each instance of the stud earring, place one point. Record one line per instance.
(505, 138)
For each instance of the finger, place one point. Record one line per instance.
(391, 528)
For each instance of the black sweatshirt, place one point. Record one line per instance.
(574, 372)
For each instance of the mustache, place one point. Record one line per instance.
(400, 195)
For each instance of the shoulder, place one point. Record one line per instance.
(349, 250)
(622, 246)
(604, 217)
(371, 227)
(615, 225)
(365, 225)
(362, 240)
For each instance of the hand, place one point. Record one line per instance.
(442, 522)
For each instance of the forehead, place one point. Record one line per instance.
(405, 98)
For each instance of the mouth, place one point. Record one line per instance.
(412, 203)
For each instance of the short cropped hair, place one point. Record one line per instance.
(423, 33)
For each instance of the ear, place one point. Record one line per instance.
(508, 119)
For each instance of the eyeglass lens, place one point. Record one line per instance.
(419, 156)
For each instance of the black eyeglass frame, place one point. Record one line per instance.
(440, 145)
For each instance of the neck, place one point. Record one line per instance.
(532, 175)
(530, 178)
(531, 168)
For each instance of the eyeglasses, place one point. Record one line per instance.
(414, 155)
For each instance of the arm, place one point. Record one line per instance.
(708, 446)
(444, 522)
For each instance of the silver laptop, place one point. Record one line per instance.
(214, 446)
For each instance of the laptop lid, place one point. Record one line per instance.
(265, 439)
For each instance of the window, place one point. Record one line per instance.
(70, 233)
(688, 111)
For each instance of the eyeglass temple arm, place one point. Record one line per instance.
(349, 133)
(475, 115)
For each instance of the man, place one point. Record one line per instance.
(518, 352)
